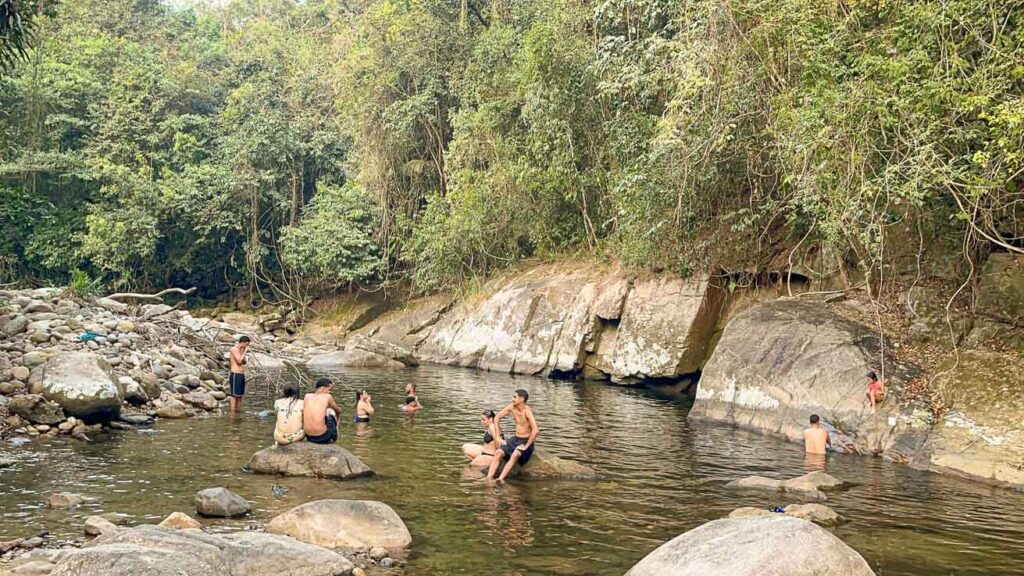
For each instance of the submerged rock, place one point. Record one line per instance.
(778, 362)
(63, 500)
(809, 485)
(344, 524)
(82, 384)
(157, 551)
(309, 459)
(754, 547)
(221, 503)
(544, 466)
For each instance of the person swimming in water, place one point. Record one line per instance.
(411, 398)
(480, 455)
(364, 406)
(816, 437)
(411, 405)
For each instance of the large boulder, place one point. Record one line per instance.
(36, 409)
(156, 551)
(980, 435)
(1001, 288)
(309, 459)
(82, 384)
(353, 358)
(780, 361)
(345, 524)
(666, 327)
(544, 466)
(754, 546)
(220, 503)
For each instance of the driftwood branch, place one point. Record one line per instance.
(158, 296)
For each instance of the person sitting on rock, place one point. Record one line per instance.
(319, 414)
(480, 455)
(520, 447)
(364, 407)
(816, 438)
(876, 391)
(289, 417)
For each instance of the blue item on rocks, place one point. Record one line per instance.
(87, 336)
(778, 510)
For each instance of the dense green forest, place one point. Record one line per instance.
(288, 147)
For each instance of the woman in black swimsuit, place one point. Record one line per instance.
(480, 455)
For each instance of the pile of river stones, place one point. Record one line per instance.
(75, 366)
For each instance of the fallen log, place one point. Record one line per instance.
(158, 296)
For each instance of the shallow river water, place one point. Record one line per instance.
(660, 475)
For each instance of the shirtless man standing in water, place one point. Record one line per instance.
(520, 447)
(816, 439)
(236, 379)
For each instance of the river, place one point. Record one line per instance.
(660, 475)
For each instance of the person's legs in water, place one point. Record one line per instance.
(495, 462)
(472, 451)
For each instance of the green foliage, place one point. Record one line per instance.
(82, 285)
(334, 245)
(156, 145)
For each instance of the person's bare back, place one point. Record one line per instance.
(314, 413)
(816, 439)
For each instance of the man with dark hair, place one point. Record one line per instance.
(320, 414)
(520, 447)
(876, 392)
(236, 378)
(816, 439)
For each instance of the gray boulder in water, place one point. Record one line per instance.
(156, 551)
(82, 384)
(308, 459)
(347, 524)
(754, 546)
(220, 503)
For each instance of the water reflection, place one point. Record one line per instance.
(660, 475)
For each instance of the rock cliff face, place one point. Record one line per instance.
(982, 434)
(560, 323)
(778, 362)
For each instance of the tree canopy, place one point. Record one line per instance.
(279, 146)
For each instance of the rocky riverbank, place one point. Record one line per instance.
(750, 357)
(79, 366)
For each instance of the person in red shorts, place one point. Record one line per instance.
(876, 391)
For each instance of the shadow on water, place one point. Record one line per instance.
(660, 475)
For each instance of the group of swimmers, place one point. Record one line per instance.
(314, 418)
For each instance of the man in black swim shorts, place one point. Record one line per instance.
(520, 447)
(236, 378)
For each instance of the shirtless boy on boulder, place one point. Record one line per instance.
(520, 447)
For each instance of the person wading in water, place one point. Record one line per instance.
(520, 447)
(236, 378)
(816, 438)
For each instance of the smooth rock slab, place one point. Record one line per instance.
(156, 551)
(344, 524)
(758, 546)
(308, 459)
(220, 503)
(352, 359)
(817, 513)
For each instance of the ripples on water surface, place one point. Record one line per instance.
(660, 476)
